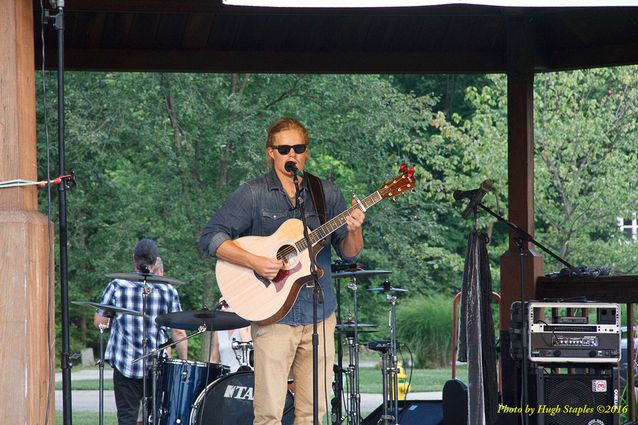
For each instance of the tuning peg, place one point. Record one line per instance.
(403, 168)
(411, 172)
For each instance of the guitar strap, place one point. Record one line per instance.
(318, 197)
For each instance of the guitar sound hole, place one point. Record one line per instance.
(289, 254)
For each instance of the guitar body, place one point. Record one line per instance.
(256, 298)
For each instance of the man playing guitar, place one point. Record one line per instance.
(283, 342)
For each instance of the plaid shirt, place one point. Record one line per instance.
(125, 341)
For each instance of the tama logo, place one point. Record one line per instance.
(239, 392)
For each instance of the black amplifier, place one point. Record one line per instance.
(562, 332)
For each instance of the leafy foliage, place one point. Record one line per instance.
(156, 154)
(584, 155)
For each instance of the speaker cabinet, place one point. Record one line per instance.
(411, 412)
(580, 395)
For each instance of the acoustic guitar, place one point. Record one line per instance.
(264, 301)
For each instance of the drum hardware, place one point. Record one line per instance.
(109, 312)
(244, 348)
(351, 331)
(389, 361)
(353, 368)
(159, 412)
(163, 347)
(146, 418)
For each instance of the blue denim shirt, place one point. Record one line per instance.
(258, 208)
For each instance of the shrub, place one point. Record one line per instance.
(425, 324)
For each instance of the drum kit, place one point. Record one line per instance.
(194, 393)
(183, 391)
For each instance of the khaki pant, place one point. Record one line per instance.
(283, 350)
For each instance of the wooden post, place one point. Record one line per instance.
(520, 116)
(26, 352)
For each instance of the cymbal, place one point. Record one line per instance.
(348, 328)
(109, 310)
(149, 277)
(350, 325)
(339, 266)
(359, 273)
(192, 320)
(388, 289)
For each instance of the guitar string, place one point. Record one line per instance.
(301, 244)
(369, 201)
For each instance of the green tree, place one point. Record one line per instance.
(585, 128)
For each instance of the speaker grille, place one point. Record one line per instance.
(576, 391)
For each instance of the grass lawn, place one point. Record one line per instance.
(370, 380)
(423, 380)
(87, 418)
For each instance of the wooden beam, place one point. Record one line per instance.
(276, 61)
(517, 284)
(216, 6)
(26, 305)
(591, 57)
(520, 160)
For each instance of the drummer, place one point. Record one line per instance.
(126, 339)
(223, 351)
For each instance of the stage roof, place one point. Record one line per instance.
(209, 36)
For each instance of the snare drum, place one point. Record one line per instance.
(179, 383)
(229, 401)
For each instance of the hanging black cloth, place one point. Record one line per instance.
(477, 343)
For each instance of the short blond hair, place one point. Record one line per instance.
(284, 124)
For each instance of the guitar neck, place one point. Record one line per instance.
(333, 224)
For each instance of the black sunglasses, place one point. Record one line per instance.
(284, 149)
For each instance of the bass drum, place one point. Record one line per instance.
(229, 401)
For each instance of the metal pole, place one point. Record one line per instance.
(355, 403)
(65, 362)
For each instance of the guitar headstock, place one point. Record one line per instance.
(400, 184)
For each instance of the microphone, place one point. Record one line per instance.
(475, 196)
(291, 167)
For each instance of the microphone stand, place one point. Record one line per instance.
(521, 237)
(316, 298)
(58, 24)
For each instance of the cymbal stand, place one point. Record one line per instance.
(200, 330)
(146, 291)
(389, 365)
(102, 327)
(354, 413)
(336, 408)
